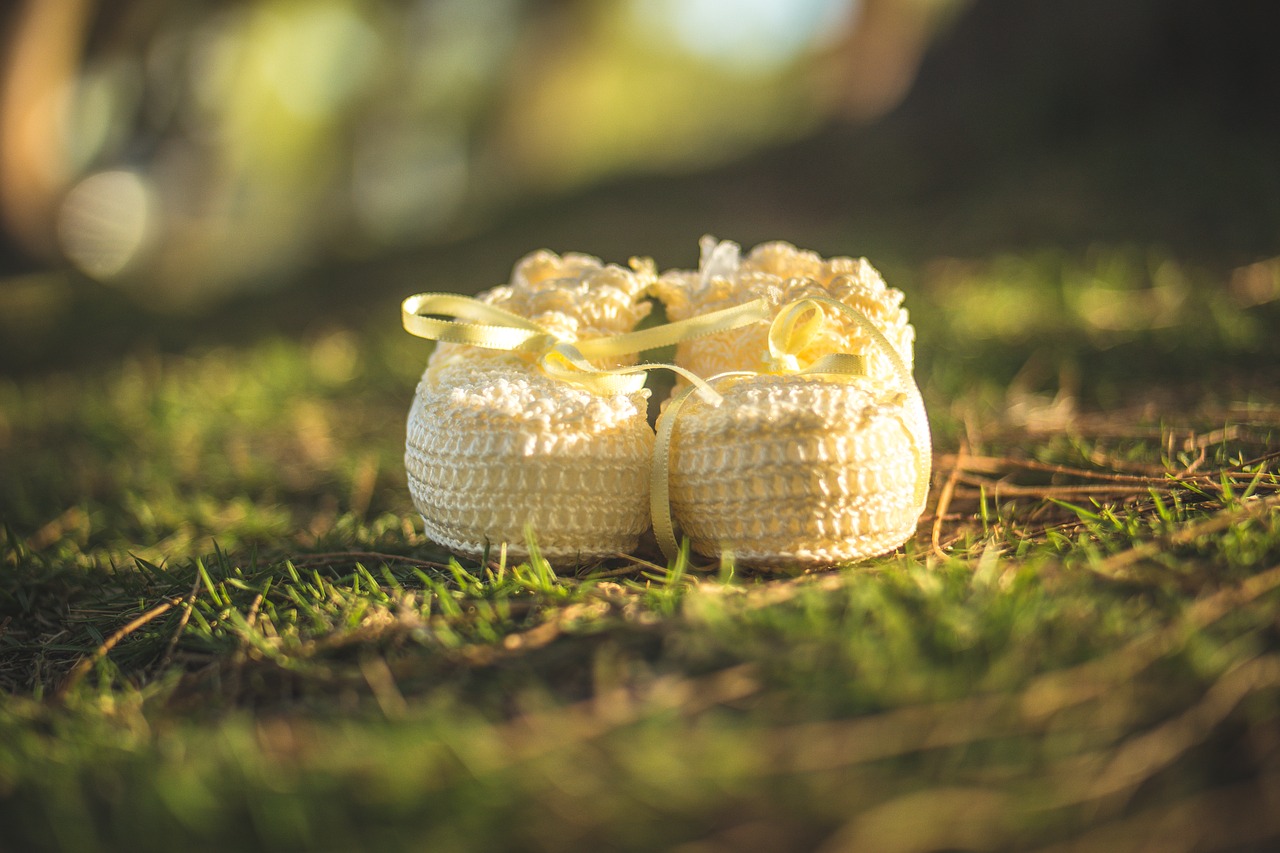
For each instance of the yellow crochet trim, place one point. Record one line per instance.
(791, 331)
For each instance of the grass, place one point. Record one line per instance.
(220, 629)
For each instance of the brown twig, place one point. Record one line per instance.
(619, 572)
(53, 531)
(998, 464)
(944, 499)
(998, 487)
(251, 618)
(86, 663)
(382, 683)
(189, 603)
(1218, 436)
(241, 655)
(1259, 460)
(627, 570)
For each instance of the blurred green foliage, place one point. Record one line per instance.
(197, 148)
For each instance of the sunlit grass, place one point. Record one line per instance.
(220, 628)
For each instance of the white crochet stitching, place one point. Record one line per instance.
(493, 445)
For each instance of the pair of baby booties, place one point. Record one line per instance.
(776, 460)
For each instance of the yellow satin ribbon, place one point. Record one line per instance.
(795, 327)
(452, 318)
(567, 363)
(491, 327)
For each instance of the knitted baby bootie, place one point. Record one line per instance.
(497, 446)
(819, 453)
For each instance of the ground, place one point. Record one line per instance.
(220, 626)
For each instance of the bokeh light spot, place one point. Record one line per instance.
(106, 221)
(748, 35)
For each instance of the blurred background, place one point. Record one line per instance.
(160, 157)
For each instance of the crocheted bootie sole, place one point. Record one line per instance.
(797, 471)
(493, 451)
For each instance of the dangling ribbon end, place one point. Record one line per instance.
(565, 362)
(709, 395)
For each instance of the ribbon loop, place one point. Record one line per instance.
(792, 331)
